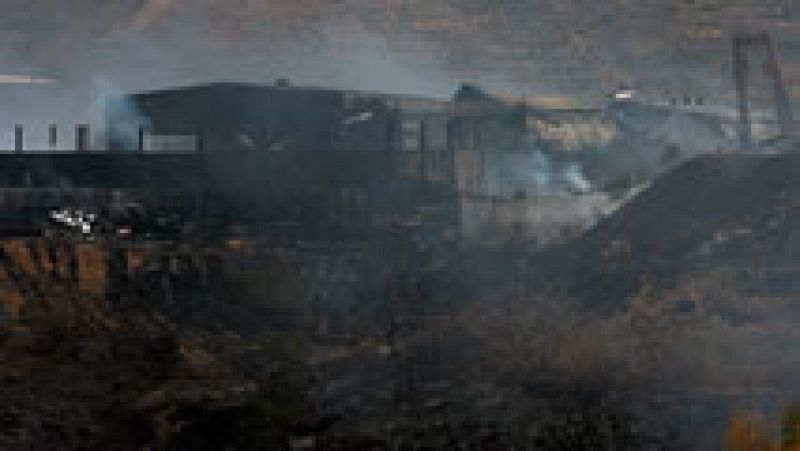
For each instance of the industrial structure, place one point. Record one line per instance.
(327, 164)
(743, 44)
(352, 193)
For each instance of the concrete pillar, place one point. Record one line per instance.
(53, 136)
(82, 139)
(19, 138)
(140, 141)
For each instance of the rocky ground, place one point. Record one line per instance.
(78, 374)
(85, 377)
(540, 374)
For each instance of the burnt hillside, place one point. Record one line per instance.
(738, 212)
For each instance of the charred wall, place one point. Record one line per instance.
(32, 185)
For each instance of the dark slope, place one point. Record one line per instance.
(730, 211)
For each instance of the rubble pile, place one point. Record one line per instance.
(714, 212)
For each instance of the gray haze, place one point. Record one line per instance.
(580, 49)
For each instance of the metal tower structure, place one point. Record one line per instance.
(743, 43)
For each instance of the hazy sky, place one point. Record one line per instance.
(94, 48)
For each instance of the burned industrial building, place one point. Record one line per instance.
(286, 165)
(282, 152)
(409, 147)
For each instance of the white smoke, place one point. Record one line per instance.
(531, 173)
(112, 104)
(573, 177)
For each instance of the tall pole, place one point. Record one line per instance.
(783, 107)
(740, 71)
